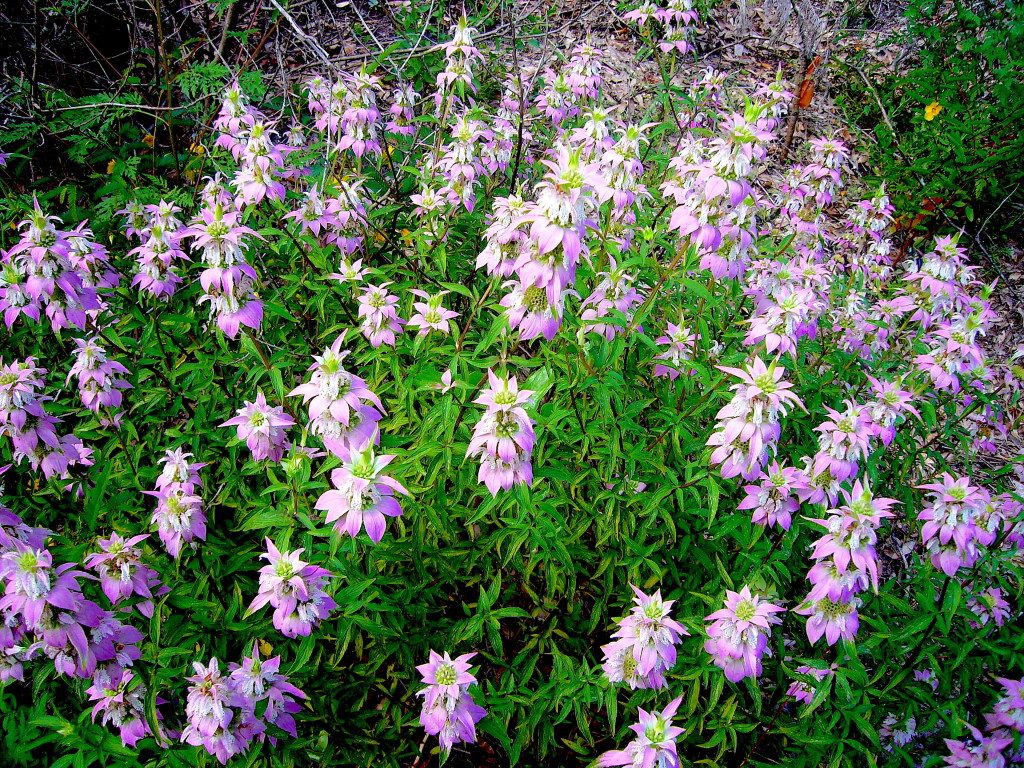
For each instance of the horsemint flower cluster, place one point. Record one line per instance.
(362, 496)
(179, 515)
(343, 412)
(263, 427)
(449, 711)
(56, 272)
(32, 431)
(644, 645)
(295, 590)
(100, 381)
(227, 714)
(992, 748)
(845, 563)
(504, 437)
(738, 634)
(228, 280)
(47, 615)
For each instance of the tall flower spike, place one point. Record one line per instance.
(449, 711)
(739, 632)
(644, 647)
(504, 436)
(362, 495)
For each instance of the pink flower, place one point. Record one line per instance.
(528, 309)
(342, 410)
(504, 436)
(983, 752)
(207, 698)
(655, 742)
(350, 271)
(179, 515)
(445, 385)
(121, 700)
(504, 236)
(950, 529)
(773, 499)
(100, 381)
(379, 315)
(833, 619)
(558, 218)
(615, 293)
(362, 495)
(404, 99)
(430, 314)
(263, 427)
(1009, 710)
(122, 573)
(739, 632)
(844, 441)
(889, 407)
(989, 605)
(852, 530)
(32, 584)
(449, 711)
(748, 426)
(295, 590)
(313, 216)
(644, 647)
(802, 691)
(681, 344)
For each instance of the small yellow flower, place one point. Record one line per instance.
(266, 648)
(406, 236)
(378, 237)
(110, 167)
(197, 149)
(149, 140)
(932, 111)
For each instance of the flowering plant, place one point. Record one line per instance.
(619, 440)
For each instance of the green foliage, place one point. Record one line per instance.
(967, 59)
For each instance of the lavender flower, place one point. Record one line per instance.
(739, 632)
(379, 315)
(504, 436)
(342, 410)
(295, 590)
(950, 530)
(645, 644)
(362, 496)
(179, 515)
(749, 426)
(655, 742)
(449, 711)
(122, 573)
(263, 427)
(120, 699)
(100, 380)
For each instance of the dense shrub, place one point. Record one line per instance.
(564, 436)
